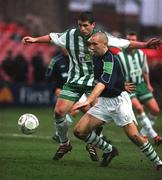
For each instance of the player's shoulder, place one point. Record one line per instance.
(72, 29)
(109, 56)
(60, 34)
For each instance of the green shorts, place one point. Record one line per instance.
(73, 92)
(142, 92)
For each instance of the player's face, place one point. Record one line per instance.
(132, 37)
(86, 28)
(97, 46)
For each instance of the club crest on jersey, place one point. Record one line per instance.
(85, 57)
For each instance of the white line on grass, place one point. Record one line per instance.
(25, 136)
(40, 137)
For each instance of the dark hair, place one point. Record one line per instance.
(86, 16)
(132, 33)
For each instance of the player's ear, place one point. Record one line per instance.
(94, 24)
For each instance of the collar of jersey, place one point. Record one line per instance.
(108, 54)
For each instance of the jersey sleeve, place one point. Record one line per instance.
(58, 39)
(117, 42)
(107, 72)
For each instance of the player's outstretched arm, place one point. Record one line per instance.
(92, 97)
(152, 43)
(41, 39)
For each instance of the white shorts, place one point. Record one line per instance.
(118, 109)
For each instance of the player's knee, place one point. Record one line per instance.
(58, 115)
(155, 111)
(79, 133)
(59, 112)
(139, 109)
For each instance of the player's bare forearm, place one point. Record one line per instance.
(148, 83)
(96, 92)
(79, 105)
(153, 43)
(92, 97)
(146, 77)
(41, 39)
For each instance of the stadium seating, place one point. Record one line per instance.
(11, 35)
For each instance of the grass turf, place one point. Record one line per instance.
(29, 157)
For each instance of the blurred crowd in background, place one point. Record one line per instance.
(19, 63)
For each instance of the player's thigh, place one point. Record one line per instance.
(63, 106)
(137, 105)
(153, 106)
(88, 123)
(68, 96)
(123, 113)
(143, 92)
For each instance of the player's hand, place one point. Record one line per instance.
(153, 43)
(129, 87)
(150, 88)
(28, 39)
(78, 105)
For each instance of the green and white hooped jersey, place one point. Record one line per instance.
(134, 65)
(81, 62)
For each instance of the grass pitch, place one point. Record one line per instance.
(29, 157)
